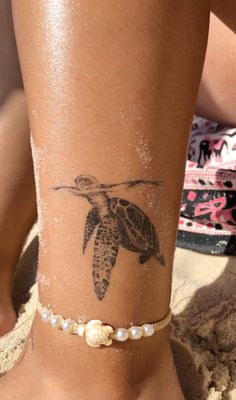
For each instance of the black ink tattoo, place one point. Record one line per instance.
(118, 222)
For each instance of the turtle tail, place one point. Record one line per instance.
(161, 259)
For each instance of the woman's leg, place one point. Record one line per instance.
(17, 197)
(217, 93)
(226, 12)
(111, 88)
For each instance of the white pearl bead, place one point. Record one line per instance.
(55, 321)
(121, 334)
(46, 314)
(148, 329)
(81, 329)
(67, 325)
(135, 332)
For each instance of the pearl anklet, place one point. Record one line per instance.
(96, 333)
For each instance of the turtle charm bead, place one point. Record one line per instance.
(97, 334)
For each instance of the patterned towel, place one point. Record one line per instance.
(207, 222)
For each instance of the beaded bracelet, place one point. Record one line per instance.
(96, 333)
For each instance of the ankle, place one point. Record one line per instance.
(6, 278)
(7, 318)
(125, 364)
(7, 313)
(130, 370)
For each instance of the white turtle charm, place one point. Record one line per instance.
(97, 334)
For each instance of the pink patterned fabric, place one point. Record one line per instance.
(208, 212)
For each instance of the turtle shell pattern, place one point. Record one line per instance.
(98, 334)
(138, 233)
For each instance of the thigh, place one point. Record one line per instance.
(217, 93)
(10, 75)
(225, 11)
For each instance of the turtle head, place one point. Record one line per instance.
(84, 186)
(86, 182)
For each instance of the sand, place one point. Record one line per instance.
(203, 326)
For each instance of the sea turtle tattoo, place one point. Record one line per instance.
(117, 222)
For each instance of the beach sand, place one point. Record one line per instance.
(203, 326)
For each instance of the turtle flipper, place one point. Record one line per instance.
(144, 257)
(91, 222)
(161, 259)
(105, 252)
